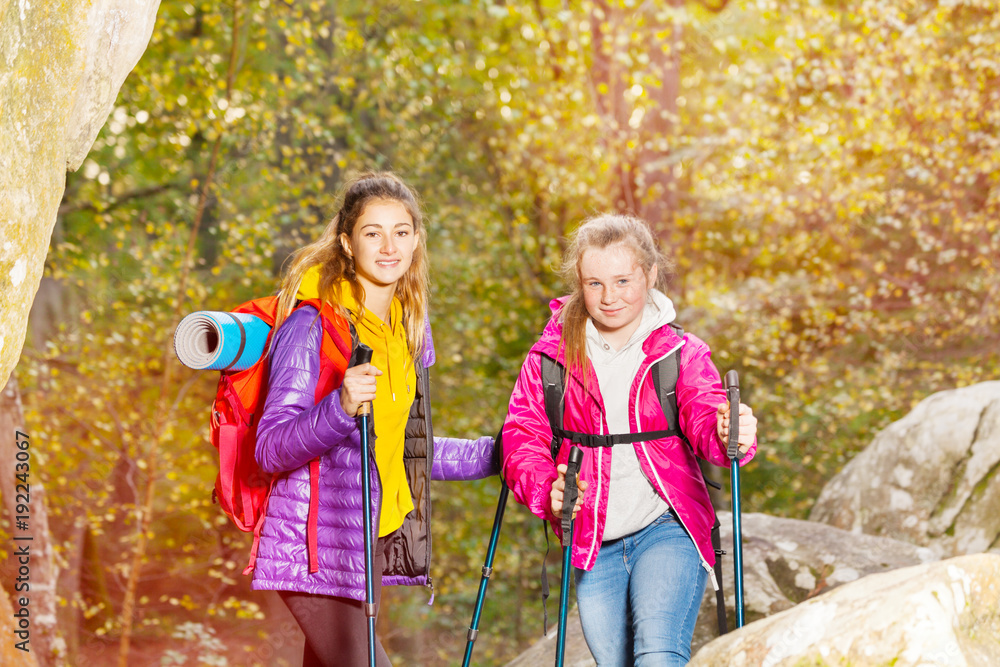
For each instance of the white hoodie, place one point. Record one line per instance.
(633, 503)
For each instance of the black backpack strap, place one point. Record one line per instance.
(612, 439)
(354, 344)
(497, 458)
(720, 598)
(665, 373)
(553, 386)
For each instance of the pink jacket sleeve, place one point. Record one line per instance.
(528, 467)
(699, 393)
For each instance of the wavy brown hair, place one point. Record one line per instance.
(337, 266)
(601, 232)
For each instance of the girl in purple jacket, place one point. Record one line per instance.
(641, 547)
(370, 265)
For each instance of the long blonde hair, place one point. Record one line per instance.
(601, 232)
(337, 266)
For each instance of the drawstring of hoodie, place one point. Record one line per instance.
(385, 332)
(388, 371)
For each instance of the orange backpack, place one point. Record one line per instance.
(242, 488)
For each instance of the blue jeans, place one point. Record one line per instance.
(639, 604)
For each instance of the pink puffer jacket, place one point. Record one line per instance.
(668, 463)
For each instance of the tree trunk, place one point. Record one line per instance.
(643, 182)
(69, 584)
(656, 192)
(94, 590)
(21, 489)
(610, 83)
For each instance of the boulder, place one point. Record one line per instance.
(785, 561)
(930, 478)
(939, 613)
(61, 66)
(543, 652)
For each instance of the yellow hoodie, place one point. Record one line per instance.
(395, 390)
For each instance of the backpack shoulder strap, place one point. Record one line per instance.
(339, 342)
(339, 328)
(553, 387)
(665, 373)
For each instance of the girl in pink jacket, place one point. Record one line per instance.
(641, 546)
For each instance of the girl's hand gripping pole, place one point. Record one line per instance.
(733, 396)
(733, 451)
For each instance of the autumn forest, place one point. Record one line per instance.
(825, 175)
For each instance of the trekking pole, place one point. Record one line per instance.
(364, 356)
(487, 571)
(733, 396)
(569, 502)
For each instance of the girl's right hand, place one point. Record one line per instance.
(559, 486)
(358, 387)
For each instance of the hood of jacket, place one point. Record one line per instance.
(550, 342)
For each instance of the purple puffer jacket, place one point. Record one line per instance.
(295, 429)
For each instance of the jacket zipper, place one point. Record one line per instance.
(660, 484)
(600, 483)
(424, 380)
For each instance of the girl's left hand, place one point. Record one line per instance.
(748, 426)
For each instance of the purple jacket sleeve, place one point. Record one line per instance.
(294, 428)
(457, 460)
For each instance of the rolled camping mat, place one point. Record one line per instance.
(217, 340)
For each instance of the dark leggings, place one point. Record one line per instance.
(336, 628)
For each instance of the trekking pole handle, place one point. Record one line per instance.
(362, 355)
(575, 459)
(571, 490)
(733, 396)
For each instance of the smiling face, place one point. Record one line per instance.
(614, 291)
(382, 244)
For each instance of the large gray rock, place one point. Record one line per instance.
(61, 66)
(930, 478)
(543, 652)
(941, 613)
(785, 561)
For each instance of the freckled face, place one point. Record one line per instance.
(382, 244)
(614, 290)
